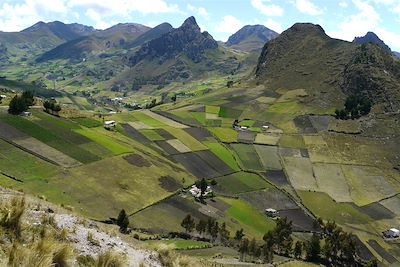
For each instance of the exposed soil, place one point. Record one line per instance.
(168, 183)
(166, 135)
(137, 160)
(389, 258)
(377, 211)
(301, 221)
(195, 165)
(200, 134)
(9, 132)
(277, 177)
(215, 162)
(170, 150)
(134, 134)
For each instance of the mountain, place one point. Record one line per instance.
(305, 57)
(41, 37)
(114, 37)
(178, 55)
(251, 37)
(371, 37)
(397, 54)
(187, 40)
(151, 34)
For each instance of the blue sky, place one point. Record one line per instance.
(341, 19)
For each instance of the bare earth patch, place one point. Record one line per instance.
(137, 160)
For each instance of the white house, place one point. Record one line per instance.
(109, 125)
(196, 192)
(273, 213)
(2, 97)
(391, 233)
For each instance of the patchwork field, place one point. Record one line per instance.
(248, 157)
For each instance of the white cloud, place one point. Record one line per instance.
(367, 19)
(201, 11)
(267, 9)
(124, 7)
(97, 18)
(343, 4)
(308, 7)
(273, 25)
(228, 24)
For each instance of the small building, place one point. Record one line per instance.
(26, 113)
(391, 233)
(2, 97)
(273, 213)
(196, 192)
(109, 125)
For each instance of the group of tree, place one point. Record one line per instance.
(21, 103)
(123, 221)
(51, 107)
(330, 246)
(209, 228)
(354, 107)
(202, 185)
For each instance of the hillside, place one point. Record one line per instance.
(371, 37)
(112, 38)
(251, 38)
(21, 46)
(305, 57)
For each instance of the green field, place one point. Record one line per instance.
(151, 135)
(226, 135)
(223, 153)
(241, 182)
(186, 139)
(248, 157)
(254, 223)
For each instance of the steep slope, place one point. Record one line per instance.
(187, 39)
(371, 37)
(151, 34)
(305, 57)
(178, 55)
(115, 37)
(39, 38)
(251, 37)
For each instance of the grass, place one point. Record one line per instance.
(324, 206)
(226, 112)
(253, 222)
(285, 107)
(186, 139)
(293, 141)
(300, 173)
(50, 138)
(200, 117)
(147, 119)
(113, 184)
(248, 157)
(223, 153)
(88, 122)
(180, 244)
(269, 157)
(267, 139)
(242, 182)
(226, 135)
(212, 109)
(151, 135)
(95, 134)
(22, 165)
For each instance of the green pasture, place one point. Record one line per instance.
(223, 153)
(248, 157)
(241, 182)
(226, 135)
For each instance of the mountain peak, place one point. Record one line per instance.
(251, 37)
(307, 27)
(371, 37)
(190, 24)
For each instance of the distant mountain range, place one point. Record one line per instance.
(304, 56)
(251, 38)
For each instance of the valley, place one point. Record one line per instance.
(257, 124)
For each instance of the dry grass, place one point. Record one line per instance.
(169, 258)
(11, 214)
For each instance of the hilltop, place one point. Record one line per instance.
(331, 69)
(251, 38)
(371, 37)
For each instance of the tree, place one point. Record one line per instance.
(202, 185)
(298, 250)
(17, 105)
(123, 221)
(252, 247)
(267, 254)
(188, 223)
(28, 96)
(282, 235)
(224, 233)
(313, 248)
(214, 231)
(239, 235)
(173, 98)
(201, 227)
(243, 248)
(229, 84)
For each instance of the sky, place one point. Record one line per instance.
(342, 19)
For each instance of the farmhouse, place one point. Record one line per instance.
(273, 213)
(109, 125)
(196, 192)
(391, 233)
(2, 97)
